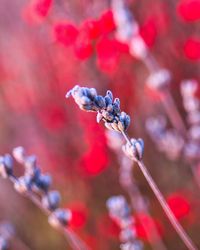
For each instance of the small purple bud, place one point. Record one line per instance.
(51, 200)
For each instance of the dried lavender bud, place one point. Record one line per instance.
(116, 105)
(19, 154)
(191, 104)
(171, 143)
(138, 47)
(124, 121)
(51, 200)
(109, 93)
(6, 166)
(191, 151)
(108, 100)
(60, 217)
(100, 102)
(30, 162)
(127, 234)
(33, 173)
(108, 111)
(23, 184)
(159, 79)
(3, 244)
(118, 207)
(134, 150)
(124, 21)
(7, 229)
(108, 116)
(156, 125)
(43, 182)
(84, 97)
(193, 117)
(188, 87)
(194, 132)
(136, 245)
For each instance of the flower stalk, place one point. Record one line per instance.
(108, 110)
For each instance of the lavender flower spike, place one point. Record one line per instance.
(107, 109)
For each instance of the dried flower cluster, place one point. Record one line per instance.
(107, 109)
(133, 149)
(36, 186)
(120, 212)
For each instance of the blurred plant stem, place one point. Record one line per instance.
(176, 225)
(73, 239)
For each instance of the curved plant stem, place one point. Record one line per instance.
(179, 229)
(138, 203)
(173, 113)
(73, 239)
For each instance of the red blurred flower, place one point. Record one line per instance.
(106, 22)
(192, 49)
(154, 94)
(148, 32)
(53, 117)
(36, 10)
(179, 205)
(189, 10)
(83, 47)
(107, 227)
(145, 226)
(108, 52)
(95, 160)
(42, 7)
(79, 214)
(91, 28)
(65, 33)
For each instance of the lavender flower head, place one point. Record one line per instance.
(107, 108)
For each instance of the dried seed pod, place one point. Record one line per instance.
(60, 217)
(51, 200)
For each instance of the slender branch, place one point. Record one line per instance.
(179, 229)
(138, 204)
(74, 241)
(173, 113)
